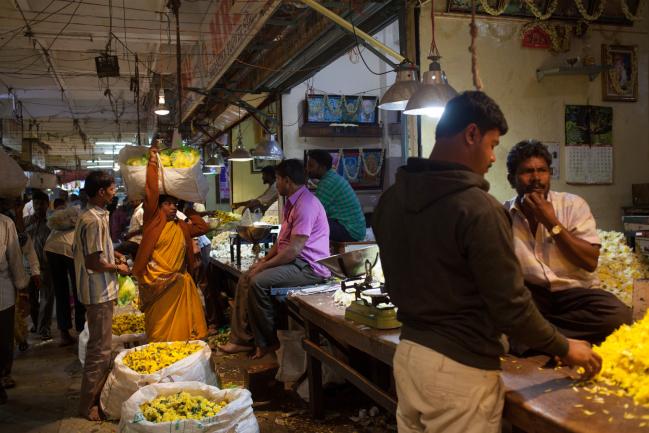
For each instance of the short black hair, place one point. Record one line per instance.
(471, 107)
(524, 150)
(322, 157)
(96, 180)
(37, 194)
(269, 169)
(165, 197)
(58, 202)
(74, 197)
(293, 169)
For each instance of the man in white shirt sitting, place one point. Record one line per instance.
(557, 245)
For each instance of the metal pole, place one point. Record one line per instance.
(353, 29)
(174, 5)
(137, 99)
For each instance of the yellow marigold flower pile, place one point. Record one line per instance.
(156, 356)
(625, 355)
(180, 406)
(128, 324)
(619, 265)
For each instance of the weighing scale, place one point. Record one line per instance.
(355, 269)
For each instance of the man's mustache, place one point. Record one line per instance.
(534, 186)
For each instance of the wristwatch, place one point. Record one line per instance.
(555, 230)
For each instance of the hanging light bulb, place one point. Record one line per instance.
(434, 91)
(240, 153)
(161, 109)
(397, 96)
(268, 149)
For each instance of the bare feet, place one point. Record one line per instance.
(231, 348)
(263, 351)
(93, 414)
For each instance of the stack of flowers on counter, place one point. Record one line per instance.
(625, 355)
(179, 406)
(156, 356)
(619, 265)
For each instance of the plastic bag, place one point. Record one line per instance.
(122, 382)
(127, 290)
(14, 180)
(183, 183)
(291, 357)
(236, 417)
(63, 219)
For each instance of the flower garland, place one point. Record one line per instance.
(552, 7)
(379, 165)
(638, 12)
(549, 29)
(353, 107)
(584, 13)
(492, 11)
(348, 175)
(336, 111)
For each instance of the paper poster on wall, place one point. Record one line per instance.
(589, 144)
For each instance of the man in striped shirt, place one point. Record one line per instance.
(344, 213)
(557, 245)
(96, 270)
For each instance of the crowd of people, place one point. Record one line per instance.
(462, 268)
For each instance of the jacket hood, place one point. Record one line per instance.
(423, 182)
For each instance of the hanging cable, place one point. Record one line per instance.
(351, 21)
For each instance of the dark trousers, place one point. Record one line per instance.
(98, 355)
(7, 340)
(338, 232)
(62, 276)
(41, 302)
(584, 314)
(253, 316)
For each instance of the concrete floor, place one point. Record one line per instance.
(48, 379)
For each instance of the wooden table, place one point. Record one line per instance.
(537, 399)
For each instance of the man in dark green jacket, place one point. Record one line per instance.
(450, 268)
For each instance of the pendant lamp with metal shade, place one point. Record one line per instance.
(397, 96)
(215, 161)
(268, 150)
(434, 92)
(240, 153)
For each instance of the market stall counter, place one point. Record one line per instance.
(539, 398)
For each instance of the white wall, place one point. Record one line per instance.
(536, 109)
(342, 77)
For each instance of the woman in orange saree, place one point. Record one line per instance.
(168, 295)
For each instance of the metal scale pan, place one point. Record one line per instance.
(379, 313)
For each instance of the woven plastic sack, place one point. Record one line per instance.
(123, 382)
(236, 417)
(183, 183)
(14, 180)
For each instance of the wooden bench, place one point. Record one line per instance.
(537, 399)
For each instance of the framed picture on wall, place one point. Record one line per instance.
(256, 165)
(620, 81)
(363, 168)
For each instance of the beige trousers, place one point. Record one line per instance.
(98, 354)
(437, 394)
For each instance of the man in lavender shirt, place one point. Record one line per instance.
(303, 239)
